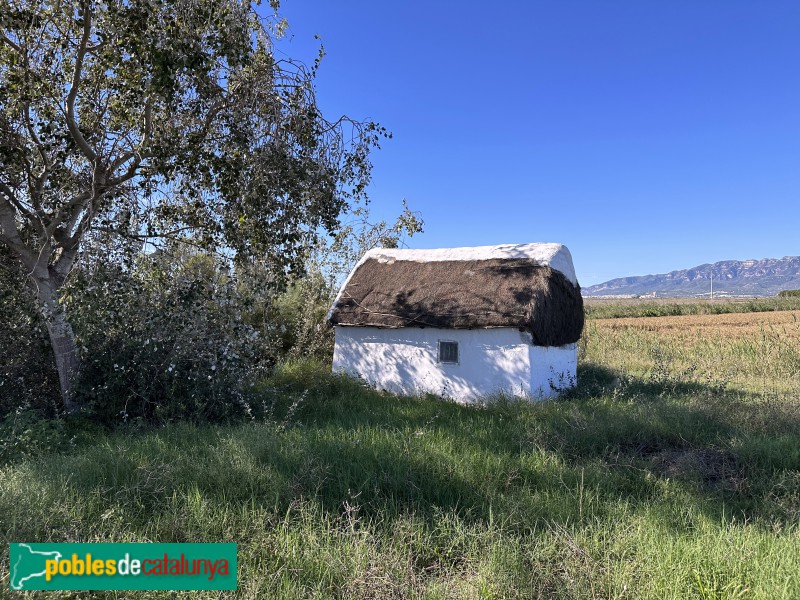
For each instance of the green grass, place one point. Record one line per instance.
(643, 483)
(598, 308)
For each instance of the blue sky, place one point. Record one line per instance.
(648, 136)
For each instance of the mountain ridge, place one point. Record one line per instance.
(753, 277)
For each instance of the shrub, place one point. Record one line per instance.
(300, 314)
(176, 333)
(28, 377)
(163, 341)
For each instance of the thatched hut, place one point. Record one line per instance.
(461, 322)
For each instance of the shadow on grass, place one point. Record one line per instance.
(614, 442)
(622, 437)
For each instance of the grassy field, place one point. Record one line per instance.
(673, 471)
(755, 352)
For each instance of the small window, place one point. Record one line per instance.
(448, 352)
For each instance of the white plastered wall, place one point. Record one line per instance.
(404, 361)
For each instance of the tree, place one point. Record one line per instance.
(301, 309)
(158, 119)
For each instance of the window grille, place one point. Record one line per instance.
(448, 352)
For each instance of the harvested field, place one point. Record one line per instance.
(728, 324)
(754, 351)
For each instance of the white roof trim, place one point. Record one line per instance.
(555, 256)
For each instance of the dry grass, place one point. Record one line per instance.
(754, 351)
(726, 325)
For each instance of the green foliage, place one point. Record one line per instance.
(165, 340)
(162, 121)
(25, 434)
(174, 334)
(299, 314)
(27, 374)
(177, 118)
(789, 294)
(299, 311)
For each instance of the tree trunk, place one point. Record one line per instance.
(68, 360)
(62, 340)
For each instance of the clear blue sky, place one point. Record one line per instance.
(647, 136)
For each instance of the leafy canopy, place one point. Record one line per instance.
(154, 119)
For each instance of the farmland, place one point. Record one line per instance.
(753, 351)
(600, 308)
(673, 471)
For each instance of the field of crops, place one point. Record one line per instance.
(606, 308)
(752, 351)
(724, 324)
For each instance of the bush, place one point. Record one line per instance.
(165, 340)
(28, 376)
(176, 333)
(789, 293)
(300, 315)
(169, 335)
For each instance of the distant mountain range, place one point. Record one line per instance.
(764, 277)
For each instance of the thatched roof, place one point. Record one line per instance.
(388, 290)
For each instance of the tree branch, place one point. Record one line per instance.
(75, 85)
(209, 120)
(144, 238)
(23, 210)
(75, 208)
(16, 47)
(9, 234)
(129, 174)
(148, 128)
(35, 137)
(81, 219)
(136, 155)
(63, 265)
(36, 192)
